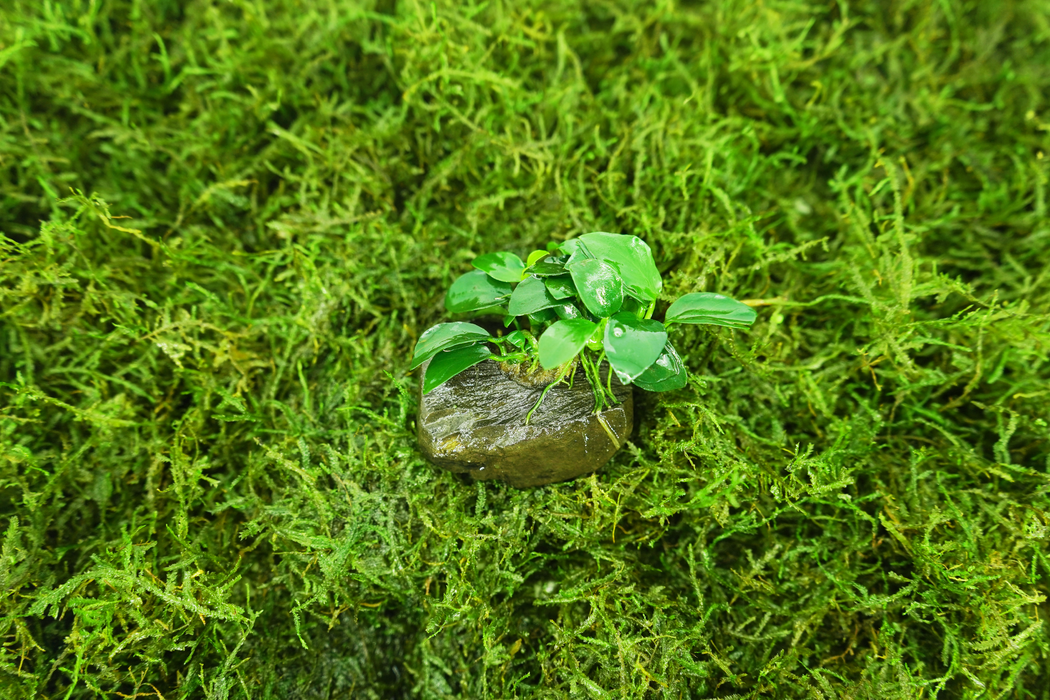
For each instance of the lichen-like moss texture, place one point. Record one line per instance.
(225, 223)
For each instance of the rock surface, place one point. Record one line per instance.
(475, 424)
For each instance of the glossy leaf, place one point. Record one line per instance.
(598, 285)
(563, 341)
(530, 296)
(632, 305)
(567, 311)
(445, 336)
(711, 309)
(541, 317)
(535, 256)
(505, 267)
(547, 268)
(518, 339)
(560, 286)
(631, 257)
(569, 247)
(632, 345)
(448, 363)
(579, 254)
(474, 291)
(666, 374)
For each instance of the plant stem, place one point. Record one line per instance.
(612, 397)
(595, 379)
(512, 357)
(560, 377)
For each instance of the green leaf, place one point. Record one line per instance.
(518, 339)
(599, 286)
(535, 256)
(563, 341)
(566, 311)
(505, 267)
(530, 296)
(666, 374)
(632, 257)
(570, 246)
(632, 305)
(448, 363)
(560, 287)
(632, 345)
(578, 253)
(711, 309)
(547, 268)
(540, 317)
(445, 336)
(475, 290)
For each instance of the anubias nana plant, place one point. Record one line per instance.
(587, 300)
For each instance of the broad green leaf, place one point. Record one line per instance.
(540, 317)
(530, 296)
(566, 311)
(570, 246)
(474, 291)
(446, 336)
(666, 374)
(712, 309)
(598, 285)
(632, 345)
(560, 287)
(506, 267)
(632, 257)
(632, 305)
(563, 341)
(579, 253)
(535, 256)
(448, 363)
(547, 268)
(518, 339)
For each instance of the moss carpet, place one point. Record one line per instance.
(223, 224)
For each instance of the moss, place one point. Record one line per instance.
(225, 224)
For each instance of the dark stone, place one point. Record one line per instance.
(475, 424)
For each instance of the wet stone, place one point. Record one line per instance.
(475, 424)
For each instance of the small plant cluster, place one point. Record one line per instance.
(587, 300)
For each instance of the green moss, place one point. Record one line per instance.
(225, 224)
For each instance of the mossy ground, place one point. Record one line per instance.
(209, 484)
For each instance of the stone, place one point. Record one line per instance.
(475, 424)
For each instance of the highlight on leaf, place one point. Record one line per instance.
(710, 309)
(666, 374)
(448, 363)
(563, 341)
(631, 257)
(446, 336)
(633, 345)
(475, 291)
(599, 285)
(530, 297)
